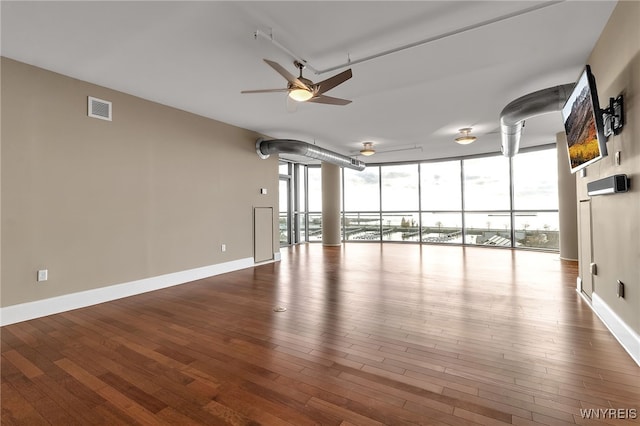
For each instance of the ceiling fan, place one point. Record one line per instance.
(304, 90)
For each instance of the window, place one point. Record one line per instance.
(361, 218)
(486, 183)
(489, 200)
(283, 168)
(537, 230)
(361, 226)
(284, 219)
(314, 181)
(401, 226)
(314, 199)
(489, 229)
(362, 190)
(400, 203)
(535, 199)
(535, 180)
(440, 186)
(442, 228)
(399, 187)
(301, 202)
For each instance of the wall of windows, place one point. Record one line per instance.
(489, 200)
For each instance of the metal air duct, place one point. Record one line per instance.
(537, 103)
(264, 148)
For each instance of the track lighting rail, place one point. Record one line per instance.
(456, 31)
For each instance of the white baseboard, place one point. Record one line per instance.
(40, 308)
(628, 338)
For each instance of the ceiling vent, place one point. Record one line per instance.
(98, 108)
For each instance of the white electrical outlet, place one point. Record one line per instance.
(223, 247)
(43, 275)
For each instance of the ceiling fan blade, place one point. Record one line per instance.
(265, 91)
(322, 99)
(332, 82)
(286, 74)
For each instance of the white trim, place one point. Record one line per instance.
(40, 308)
(277, 257)
(628, 338)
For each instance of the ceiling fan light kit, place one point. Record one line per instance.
(465, 137)
(300, 95)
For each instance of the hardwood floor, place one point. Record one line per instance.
(388, 334)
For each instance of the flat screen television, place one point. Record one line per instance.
(583, 123)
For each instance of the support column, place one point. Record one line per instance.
(567, 202)
(330, 205)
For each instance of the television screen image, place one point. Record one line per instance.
(583, 123)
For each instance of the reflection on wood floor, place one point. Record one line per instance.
(373, 333)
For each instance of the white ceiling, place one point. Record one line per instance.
(198, 56)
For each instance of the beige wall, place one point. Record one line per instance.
(97, 203)
(615, 62)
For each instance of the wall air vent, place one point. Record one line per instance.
(98, 108)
